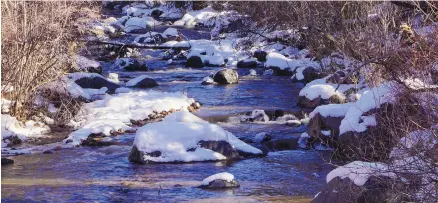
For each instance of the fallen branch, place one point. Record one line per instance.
(138, 46)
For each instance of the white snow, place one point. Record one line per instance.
(219, 176)
(274, 59)
(82, 63)
(135, 23)
(320, 87)
(113, 77)
(252, 72)
(11, 126)
(136, 80)
(170, 32)
(331, 110)
(123, 90)
(114, 112)
(359, 172)
(208, 80)
(371, 99)
(302, 142)
(182, 131)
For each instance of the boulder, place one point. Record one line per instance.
(6, 161)
(194, 62)
(260, 55)
(280, 144)
(219, 181)
(97, 83)
(247, 64)
(226, 76)
(156, 13)
(146, 83)
(376, 189)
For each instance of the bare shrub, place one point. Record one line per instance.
(38, 42)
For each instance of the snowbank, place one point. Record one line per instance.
(331, 110)
(359, 172)
(320, 88)
(177, 139)
(114, 112)
(12, 127)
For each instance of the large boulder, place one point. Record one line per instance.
(375, 190)
(226, 76)
(194, 62)
(97, 83)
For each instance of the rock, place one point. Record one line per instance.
(281, 72)
(226, 76)
(207, 81)
(219, 181)
(97, 83)
(257, 115)
(136, 156)
(261, 137)
(262, 147)
(221, 147)
(247, 64)
(146, 83)
(268, 72)
(376, 189)
(252, 72)
(194, 62)
(310, 74)
(278, 113)
(113, 77)
(6, 161)
(281, 144)
(12, 140)
(156, 13)
(307, 103)
(320, 123)
(134, 65)
(260, 55)
(340, 77)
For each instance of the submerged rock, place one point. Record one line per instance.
(226, 76)
(6, 161)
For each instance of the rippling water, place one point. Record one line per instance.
(103, 174)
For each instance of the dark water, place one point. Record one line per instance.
(104, 174)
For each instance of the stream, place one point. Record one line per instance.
(104, 174)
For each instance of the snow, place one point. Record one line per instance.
(302, 142)
(252, 72)
(274, 59)
(135, 23)
(11, 126)
(331, 110)
(5, 105)
(370, 99)
(114, 112)
(259, 137)
(136, 80)
(268, 72)
(123, 90)
(113, 77)
(219, 176)
(208, 80)
(320, 88)
(182, 131)
(359, 172)
(82, 63)
(216, 60)
(170, 32)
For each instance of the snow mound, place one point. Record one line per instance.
(11, 126)
(331, 110)
(219, 176)
(177, 139)
(320, 88)
(371, 99)
(136, 23)
(114, 112)
(359, 172)
(136, 80)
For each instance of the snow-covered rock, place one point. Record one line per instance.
(170, 32)
(87, 65)
(185, 138)
(219, 181)
(257, 115)
(142, 81)
(92, 81)
(113, 77)
(252, 72)
(207, 81)
(226, 76)
(114, 113)
(130, 64)
(140, 23)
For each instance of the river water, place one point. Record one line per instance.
(104, 174)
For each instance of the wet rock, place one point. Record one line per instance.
(278, 113)
(376, 189)
(262, 137)
(136, 156)
(281, 72)
(226, 76)
(221, 147)
(221, 184)
(310, 74)
(260, 55)
(280, 144)
(257, 115)
(247, 64)
(146, 83)
(97, 83)
(6, 161)
(263, 148)
(194, 62)
(156, 13)
(132, 65)
(207, 81)
(12, 140)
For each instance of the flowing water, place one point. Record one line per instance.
(104, 174)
